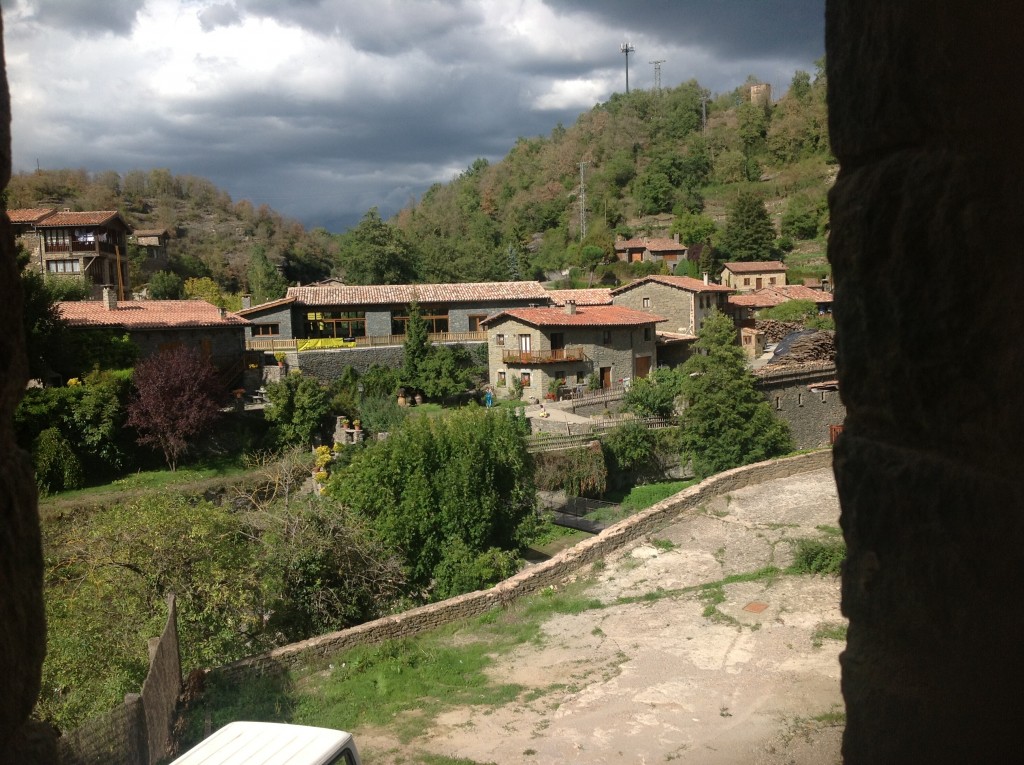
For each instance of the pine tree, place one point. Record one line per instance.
(749, 233)
(726, 423)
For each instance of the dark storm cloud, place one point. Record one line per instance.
(749, 29)
(114, 16)
(351, 104)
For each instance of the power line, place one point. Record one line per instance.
(627, 48)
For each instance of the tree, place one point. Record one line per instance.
(298, 408)
(726, 422)
(447, 371)
(416, 348)
(436, 483)
(265, 281)
(166, 285)
(177, 394)
(375, 252)
(749, 233)
(654, 395)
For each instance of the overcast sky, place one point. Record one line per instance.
(325, 108)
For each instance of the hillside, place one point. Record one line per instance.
(646, 162)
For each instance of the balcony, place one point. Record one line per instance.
(529, 358)
(376, 341)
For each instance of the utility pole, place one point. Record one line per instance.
(703, 112)
(627, 48)
(583, 204)
(657, 73)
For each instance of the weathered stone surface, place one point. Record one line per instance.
(925, 247)
(22, 621)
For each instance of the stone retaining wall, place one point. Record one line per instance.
(551, 572)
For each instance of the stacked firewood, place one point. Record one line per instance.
(775, 330)
(818, 346)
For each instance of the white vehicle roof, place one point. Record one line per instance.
(261, 743)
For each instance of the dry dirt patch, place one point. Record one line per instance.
(660, 681)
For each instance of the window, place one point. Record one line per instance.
(501, 378)
(499, 339)
(647, 334)
(525, 378)
(474, 322)
(435, 319)
(647, 302)
(57, 239)
(606, 337)
(778, 403)
(581, 378)
(262, 330)
(63, 266)
(746, 281)
(336, 324)
(799, 399)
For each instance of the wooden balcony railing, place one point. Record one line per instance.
(376, 341)
(543, 357)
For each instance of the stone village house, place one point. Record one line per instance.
(154, 325)
(89, 246)
(569, 344)
(750, 276)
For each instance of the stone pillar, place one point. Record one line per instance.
(927, 247)
(22, 620)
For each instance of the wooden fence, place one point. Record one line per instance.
(374, 341)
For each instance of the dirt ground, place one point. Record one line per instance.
(660, 681)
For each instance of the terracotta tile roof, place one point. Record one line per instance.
(85, 218)
(29, 214)
(687, 283)
(151, 232)
(593, 296)
(588, 316)
(383, 294)
(265, 306)
(755, 267)
(654, 245)
(148, 314)
(767, 297)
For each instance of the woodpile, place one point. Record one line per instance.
(775, 330)
(813, 346)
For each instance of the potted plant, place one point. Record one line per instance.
(280, 356)
(553, 386)
(356, 424)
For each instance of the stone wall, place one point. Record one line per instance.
(551, 572)
(808, 413)
(670, 303)
(226, 345)
(925, 244)
(282, 315)
(22, 620)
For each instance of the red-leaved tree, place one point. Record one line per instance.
(177, 394)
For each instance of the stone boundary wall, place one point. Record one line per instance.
(533, 579)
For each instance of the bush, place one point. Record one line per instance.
(818, 556)
(57, 467)
(461, 571)
(577, 472)
(630, 447)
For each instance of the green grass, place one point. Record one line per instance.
(401, 684)
(828, 631)
(818, 556)
(642, 497)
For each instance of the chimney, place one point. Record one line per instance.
(246, 301)
(570, 307)
(675, 237)
(706, 278)
(223, 313)
(109, 299)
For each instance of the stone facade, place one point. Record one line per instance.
(806, 397)
(684, 301)
(588, 350)
(748, 277)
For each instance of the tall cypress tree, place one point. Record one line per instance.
(749, 233)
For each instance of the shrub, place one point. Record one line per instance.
(577, 472)
(57, 467)
(818, 556)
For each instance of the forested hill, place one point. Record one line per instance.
(648, 166)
